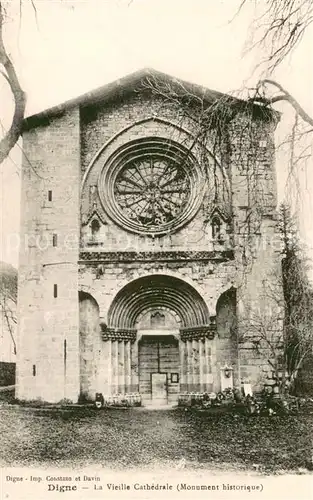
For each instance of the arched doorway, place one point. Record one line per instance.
(163, 326)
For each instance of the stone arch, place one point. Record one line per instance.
(185, 136)
(86, 295)
(159, 291)
(226, 326)
(170, 273)
(226, 317)
(95, 294)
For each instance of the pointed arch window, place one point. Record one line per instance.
(216, 228)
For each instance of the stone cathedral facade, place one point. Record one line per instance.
(134, 275)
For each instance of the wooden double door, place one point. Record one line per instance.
(159, 369)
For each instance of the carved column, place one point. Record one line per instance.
(183, 365)
(121, 367)
(198, 356)
(186, 365)
(202, 365)
(189, 366)
(208, 364)
(127, 365)
(115, 366)
(193, 364)
(134, 367)
(121, 359)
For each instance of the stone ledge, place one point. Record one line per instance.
(189, 333)
(94, 258)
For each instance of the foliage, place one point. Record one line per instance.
(266, 403)
(298, 297)
(280, 330)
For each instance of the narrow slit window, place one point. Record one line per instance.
(49, 195)
(95, 229)
(55, 240)
(64, 354)
(55, 291)
(216, 228)
(34, 370)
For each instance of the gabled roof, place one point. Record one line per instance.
(115, 89)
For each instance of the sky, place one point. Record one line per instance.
(67, 48)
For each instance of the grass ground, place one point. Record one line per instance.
(135, 438)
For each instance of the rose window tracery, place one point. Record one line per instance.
(151, 186)
(152, 191)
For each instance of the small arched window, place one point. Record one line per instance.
(216, 228)
(95, 229)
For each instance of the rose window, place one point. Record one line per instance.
(152, 191)
(151, 186)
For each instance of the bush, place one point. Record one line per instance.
(264, 403)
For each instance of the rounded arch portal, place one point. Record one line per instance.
(158, 291)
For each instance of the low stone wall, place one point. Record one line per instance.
(7, 374)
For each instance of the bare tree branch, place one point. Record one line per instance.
(279, 29)
(14, 132)
(283, 96)
(9, 317)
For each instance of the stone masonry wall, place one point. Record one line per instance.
(104, 130)
(48, 363)
(253, 203)
(210, 281)
(257, 248)
(59, 159)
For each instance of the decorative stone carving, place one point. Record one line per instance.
(151, 186)
(117, 333)
(218, 221)
(94, 214)
(93, 229)
(165, 256)
(198, 332)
